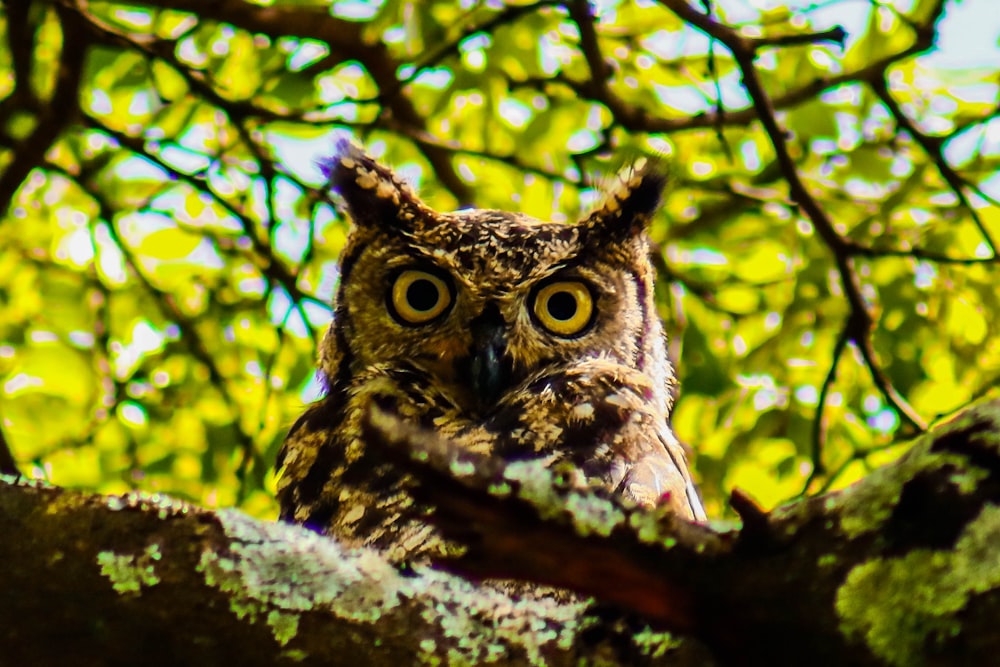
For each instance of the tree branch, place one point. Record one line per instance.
(135, 579)
(819, 430)
(19, 41)
(343, 38)
(796, 586)
(861, 322)
(934, 148)
(56, 114)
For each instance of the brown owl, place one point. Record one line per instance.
(511, 336)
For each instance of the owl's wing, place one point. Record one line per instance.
(604, 418)
(662, 478)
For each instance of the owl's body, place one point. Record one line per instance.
(512, 337)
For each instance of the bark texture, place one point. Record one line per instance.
(93, 580)
(900, 569)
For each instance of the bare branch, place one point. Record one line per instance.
(19, 41)
(56, 114)
(934, 147)
(819, 431)
(861, 322)
(343, 38)
(637, 119)
(172, 312)
(916, 253)
(506, 16)
(836, 35)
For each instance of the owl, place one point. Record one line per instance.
(510, 336)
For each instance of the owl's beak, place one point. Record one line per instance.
(489, 368)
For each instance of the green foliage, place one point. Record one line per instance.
(167, 257)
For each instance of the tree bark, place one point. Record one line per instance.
(902, 568)
(93, 580)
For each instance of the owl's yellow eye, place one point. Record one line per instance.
(565, 307)
(417, 297)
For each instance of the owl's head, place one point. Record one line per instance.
(484, 299)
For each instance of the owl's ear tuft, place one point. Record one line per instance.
(373, 194)
(630, 205)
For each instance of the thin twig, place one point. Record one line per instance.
(720, 109)
(508, 15)
(916, 253)
(171, 311)
(934, 147)
(343, 38)
(819, 431)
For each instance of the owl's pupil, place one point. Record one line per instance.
(422, 295)
(562, 306)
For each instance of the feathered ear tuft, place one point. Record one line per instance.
(373, 194)
(630, 205)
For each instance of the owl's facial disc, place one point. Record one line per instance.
(487, 368)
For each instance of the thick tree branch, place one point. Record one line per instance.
(900, 569)
(830, 580)
(583, 559)
(134, 579)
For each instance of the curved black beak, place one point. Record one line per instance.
(487, 368)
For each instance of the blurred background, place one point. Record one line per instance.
(827, 251)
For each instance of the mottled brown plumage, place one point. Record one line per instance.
(476, 324)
